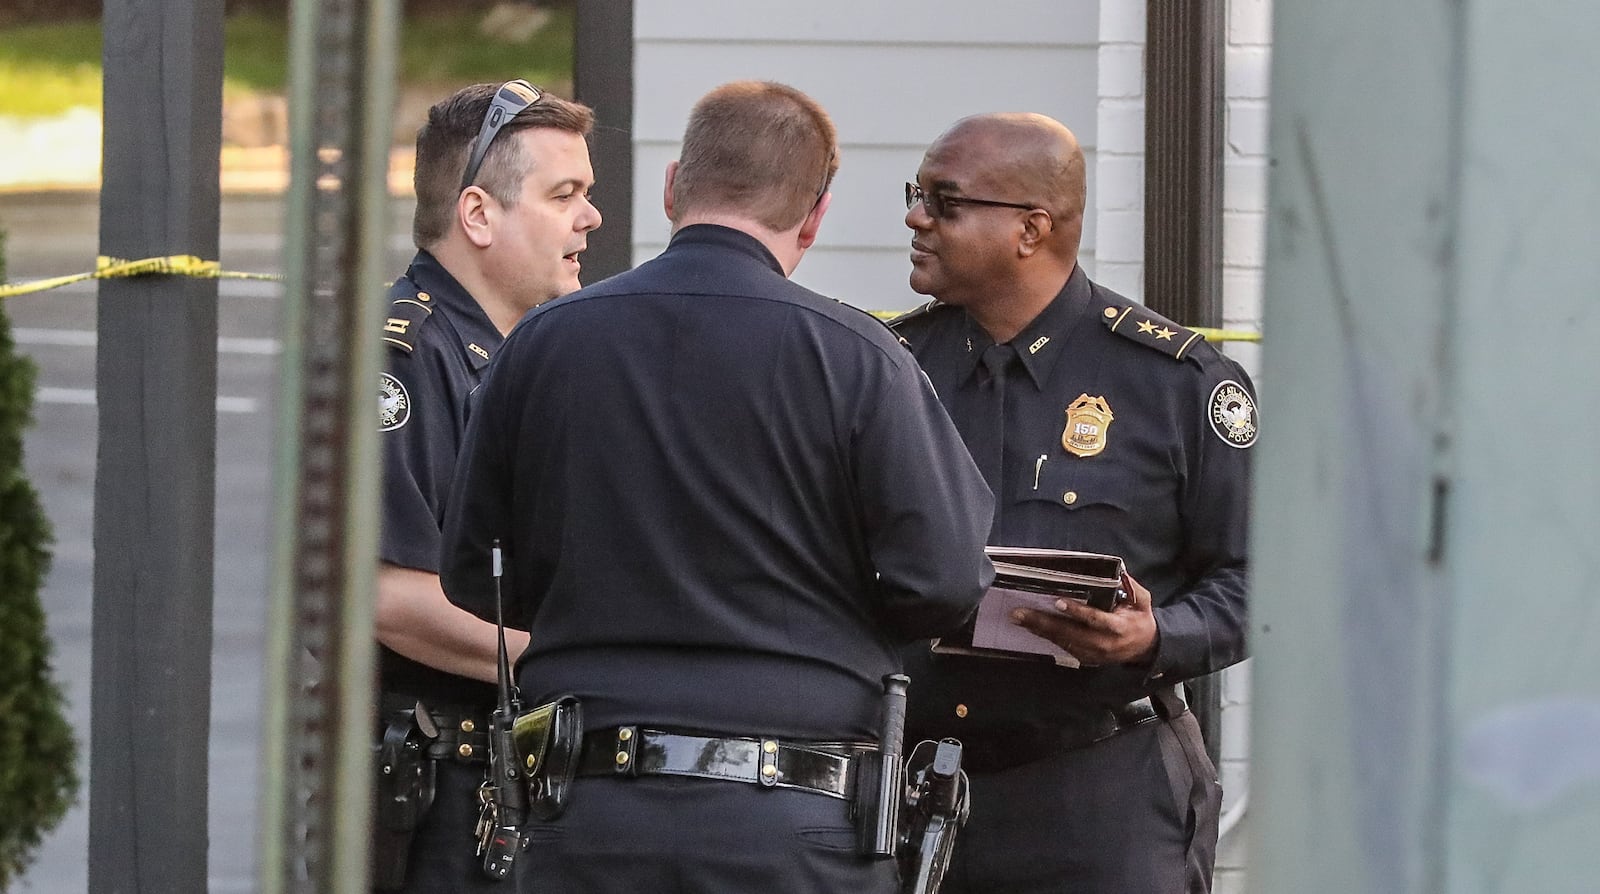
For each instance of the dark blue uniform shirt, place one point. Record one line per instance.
(724, 499)
(438, 341)
(1114, 431)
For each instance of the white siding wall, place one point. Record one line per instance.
(893, 75)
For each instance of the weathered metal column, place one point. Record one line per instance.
(317, 796)
(1183, 203)
(1183, 159)
(156, 385)
(603, 79)
(1427, 684)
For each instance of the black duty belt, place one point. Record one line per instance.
(996, 750)
(820, 767)
(462, 735)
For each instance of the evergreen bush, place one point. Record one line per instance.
(38, 776)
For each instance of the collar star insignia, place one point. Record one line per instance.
(1146, 326)
(1165, 334)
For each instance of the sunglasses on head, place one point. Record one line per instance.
(937, 204)
(511, 98)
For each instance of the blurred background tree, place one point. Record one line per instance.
(50, 55)
(38, 778)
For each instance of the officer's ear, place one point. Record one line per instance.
(475, 216)
(666, 191)
(813, 222)
(1036, 230)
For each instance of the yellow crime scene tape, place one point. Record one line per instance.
(117, 268)
(189, 265)
(1210, 334)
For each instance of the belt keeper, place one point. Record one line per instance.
(769, 762)
(627, 749)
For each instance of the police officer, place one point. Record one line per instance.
(1101, 427)
(724, 499)
(502, 181)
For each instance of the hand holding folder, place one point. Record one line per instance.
(1035, 578)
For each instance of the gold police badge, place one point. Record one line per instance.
(1088, 419)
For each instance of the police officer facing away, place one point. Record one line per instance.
(502, 182)
(1101, 427)
(724, 500)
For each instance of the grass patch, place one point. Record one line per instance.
(47, 69)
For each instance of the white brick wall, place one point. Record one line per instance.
(1117, 175)
(1117, 178)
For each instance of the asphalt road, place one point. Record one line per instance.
(55, 234)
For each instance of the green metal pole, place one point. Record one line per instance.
(317, 797)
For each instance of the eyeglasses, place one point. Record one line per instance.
(936, 204)
(511, 98)
(826, 170)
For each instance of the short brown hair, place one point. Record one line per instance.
(759, 148)
(445, 141)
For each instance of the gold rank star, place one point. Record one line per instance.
(1165, 334)
(1146, 326)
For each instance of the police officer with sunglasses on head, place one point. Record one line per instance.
(502, 215)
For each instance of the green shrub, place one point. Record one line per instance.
(38, 778)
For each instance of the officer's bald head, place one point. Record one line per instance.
(1023, 155)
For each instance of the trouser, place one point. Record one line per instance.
(1133, 814)
(443, 853)
(677, 835)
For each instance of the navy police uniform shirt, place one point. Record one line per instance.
(1106, 428)
(724, 499)
(437, 343)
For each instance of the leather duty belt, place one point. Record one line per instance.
(995, 750)
(820, 767)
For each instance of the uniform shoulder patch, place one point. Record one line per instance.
(1152, 330)
(394, 403)
(1232, 414)
(406, 316)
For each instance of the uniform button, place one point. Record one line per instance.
(532, 762)
(468, 726)
(1069, 497)
(465, 750)
(1110, 312)
(769, 771)
(424, 297)
(769, 746)
(624, 734)
(961, 710)
(622, 758)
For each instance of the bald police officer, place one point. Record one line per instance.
(502, 182)
(1101, 427)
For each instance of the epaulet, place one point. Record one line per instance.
(406, 316)
(1148, 328)
(915, 312)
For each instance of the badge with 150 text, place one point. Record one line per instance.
(1088, 419)
(394, 404)
(1232, 414)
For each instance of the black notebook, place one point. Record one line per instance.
(1026, 577)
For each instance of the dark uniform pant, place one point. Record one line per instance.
(674, 835)
(1133, 814)
(443, 854)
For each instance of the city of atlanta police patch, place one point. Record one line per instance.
(394, 404)
(1232, 414)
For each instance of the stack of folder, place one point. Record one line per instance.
(1026, 577)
